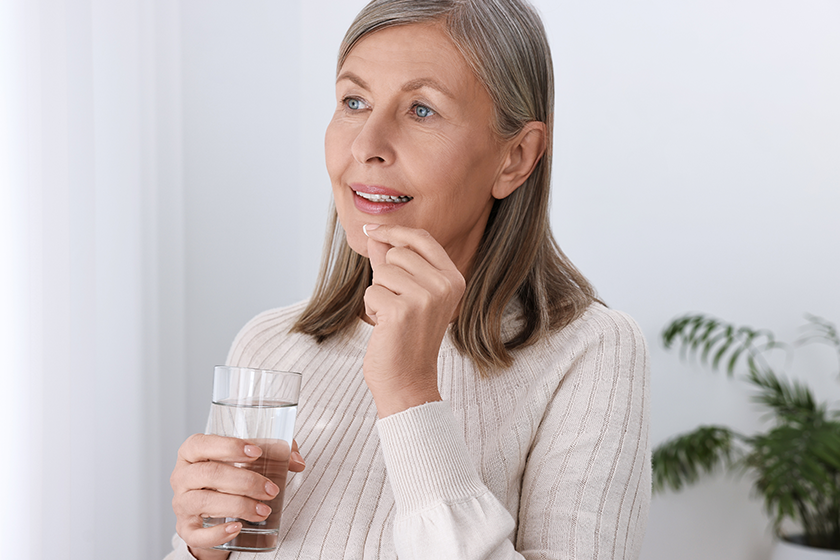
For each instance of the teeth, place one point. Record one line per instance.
(383, 197)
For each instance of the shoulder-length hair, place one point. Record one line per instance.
(504, 43)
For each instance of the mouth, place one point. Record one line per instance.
(376, 199)
(383, 197)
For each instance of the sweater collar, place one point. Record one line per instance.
(359, 335)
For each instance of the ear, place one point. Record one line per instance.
(524, 152)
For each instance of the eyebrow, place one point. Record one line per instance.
(413, 85)
(420, 83)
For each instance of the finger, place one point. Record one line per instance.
(421, 292)
(296, 462)
(207, 503)
(418, 272)
(380, 298)
(208, 447)
(417, 239)
(197, 536)
(223, 478)
(376, 252)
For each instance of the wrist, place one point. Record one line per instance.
(390, 402)
(208, 553)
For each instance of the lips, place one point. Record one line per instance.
(378, 193)
(376, 199)
(382, 197)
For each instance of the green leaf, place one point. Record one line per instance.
(681, 460)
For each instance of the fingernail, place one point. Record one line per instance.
(252, 451)
(298, 458)
(369, 227)
(263, 509)
(271, 489)
(232, 528)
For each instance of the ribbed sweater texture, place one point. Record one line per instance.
(548, 459)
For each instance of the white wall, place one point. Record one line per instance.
(699, 169)
(89, 253)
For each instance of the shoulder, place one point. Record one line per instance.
(601, 322)
(600, 335)
(264, 333)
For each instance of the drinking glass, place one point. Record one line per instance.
(259, 406)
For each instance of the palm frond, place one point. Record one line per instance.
(796, 463)
(681, 460)
(790, 401)
(820, 330)
(710, 337)
(798, 473)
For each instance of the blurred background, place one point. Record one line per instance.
(162, 181)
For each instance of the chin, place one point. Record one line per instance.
(357, 242)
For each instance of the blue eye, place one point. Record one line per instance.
(353, 104)
(422, 111)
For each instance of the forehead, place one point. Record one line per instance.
(411, 52)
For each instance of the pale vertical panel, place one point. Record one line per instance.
(82, 287)
(164, 234)
(16, 475)
(53, 429)
(119, 365)
(89, 154)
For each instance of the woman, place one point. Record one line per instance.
(465, 394)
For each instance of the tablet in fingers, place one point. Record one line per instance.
(419, 240)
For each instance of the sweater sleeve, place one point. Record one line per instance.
(586, 483)
(586, 487)
(179, 550)
(444, 511)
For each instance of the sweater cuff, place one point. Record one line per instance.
(180, 550)
(427, 458)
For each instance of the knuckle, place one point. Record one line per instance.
(213, 470)
(181, 529)
(175, 479)
(201, 500)
(457, 284)
(440, 285)
(181, 505)
(195, 440)
(177, 507)
(425, 299)
(402, 309)
(189, 449)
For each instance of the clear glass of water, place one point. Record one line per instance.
(258, 406)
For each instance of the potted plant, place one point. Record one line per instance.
(794, 462)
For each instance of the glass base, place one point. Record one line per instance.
(251, 540)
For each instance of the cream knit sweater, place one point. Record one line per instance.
(549, 459)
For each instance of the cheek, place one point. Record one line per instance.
(355, 238)
(335, 149)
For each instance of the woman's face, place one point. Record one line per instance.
(411, 140)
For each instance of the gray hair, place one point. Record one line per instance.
(505, 44)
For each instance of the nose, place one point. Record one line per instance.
(373, 143)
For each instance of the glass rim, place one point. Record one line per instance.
(261, 370)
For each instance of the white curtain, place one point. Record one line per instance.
(91, 284)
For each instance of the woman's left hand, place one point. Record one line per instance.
(414, 296)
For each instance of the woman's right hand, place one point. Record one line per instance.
(206, 484)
